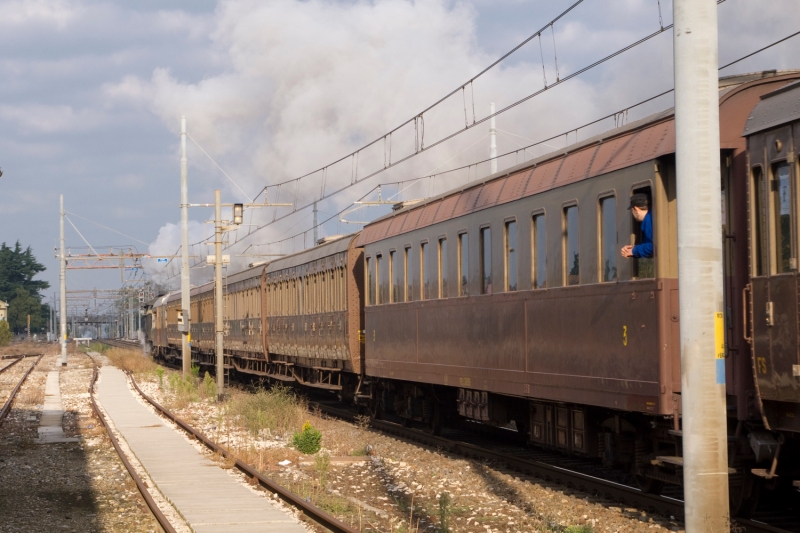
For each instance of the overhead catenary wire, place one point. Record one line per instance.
(106, 227)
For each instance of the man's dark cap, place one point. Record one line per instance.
(639, 200)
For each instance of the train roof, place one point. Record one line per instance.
(306, 256)
(640, 141)
(775, 108)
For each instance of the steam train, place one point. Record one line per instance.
(506, 302)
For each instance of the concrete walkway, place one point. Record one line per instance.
(50, 428)
(208, 498)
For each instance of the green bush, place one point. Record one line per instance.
(209, 386)
(445, 504)
(160, 374)
(308, 440)
(5, 333)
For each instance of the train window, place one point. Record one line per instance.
(409, 282)
(425, 271)
(370, 282)
(643, 267)
(783, 215)
(539, 249)
(443, 268)
(486, 260)
(608, 238)
(759, 210)
(383, 280)
(463, 264)
(570, 246)
(510, 244)
(398, 284)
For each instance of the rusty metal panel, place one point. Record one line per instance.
(428, 214)
(543, 177)
(446, 208)
(354, 323)
(396, 225)
(575, 167)
(782, 384)
(466, 201)
(489, 193)
(515, 186)
(412, 220)
(609, 155)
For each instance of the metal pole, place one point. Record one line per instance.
(492, 139)
(218, 327)
(62, 277)
(705, 467)
(186, 352)
(316, 235)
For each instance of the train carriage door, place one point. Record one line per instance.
(774, 249)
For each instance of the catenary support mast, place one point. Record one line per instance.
(62, 275)
(219, 329)
(705, 471)
(186, 352)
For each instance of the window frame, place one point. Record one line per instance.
(759, 222)
(442, 266)
(507, 251)
(537, 214)
(776, 259)
(605, 195)
(424, 281)
(408, 280)
(463, 288)
(565, 242)
(484, 287)
(368, 281)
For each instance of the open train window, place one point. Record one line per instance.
(370, 281)
(443, 267)
(463, 264)
(643, 267)
(425, 271)
(782, 205)
(486, 260)
(395, 277)
(571, 246)
(539, 251)
(759, 212)
(510, 246)
(382, 280)
(608, 239)
(409, 296)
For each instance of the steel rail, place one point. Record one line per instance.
(7, 407)
(610, 490)
(151, 503)
(10, 365)
(312, 511)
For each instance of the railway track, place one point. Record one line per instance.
(574, 473)
(140, 484)
(121, 343)
(312, 511)
(13, 393)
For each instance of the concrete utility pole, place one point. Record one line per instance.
(492, 139)
(62, 276)
(316, 235)
(705, 451)
(186, 351)
(218, 324)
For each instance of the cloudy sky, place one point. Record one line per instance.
(92, 93)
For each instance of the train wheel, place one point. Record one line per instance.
(435, 422)
(649, 485)
(744, 490)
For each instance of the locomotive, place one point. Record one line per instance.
(506, 302)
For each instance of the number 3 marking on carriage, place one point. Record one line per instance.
(624, 335)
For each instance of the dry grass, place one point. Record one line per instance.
(276, 411)
(20, 348)
(130, 360)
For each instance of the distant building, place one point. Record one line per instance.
(3, 310)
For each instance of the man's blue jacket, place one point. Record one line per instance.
(645, 249)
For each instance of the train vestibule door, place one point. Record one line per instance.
(774, 254)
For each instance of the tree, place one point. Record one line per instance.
(22, 305)
(5, 333)
(17, 270)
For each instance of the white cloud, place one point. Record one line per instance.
(35, 118)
